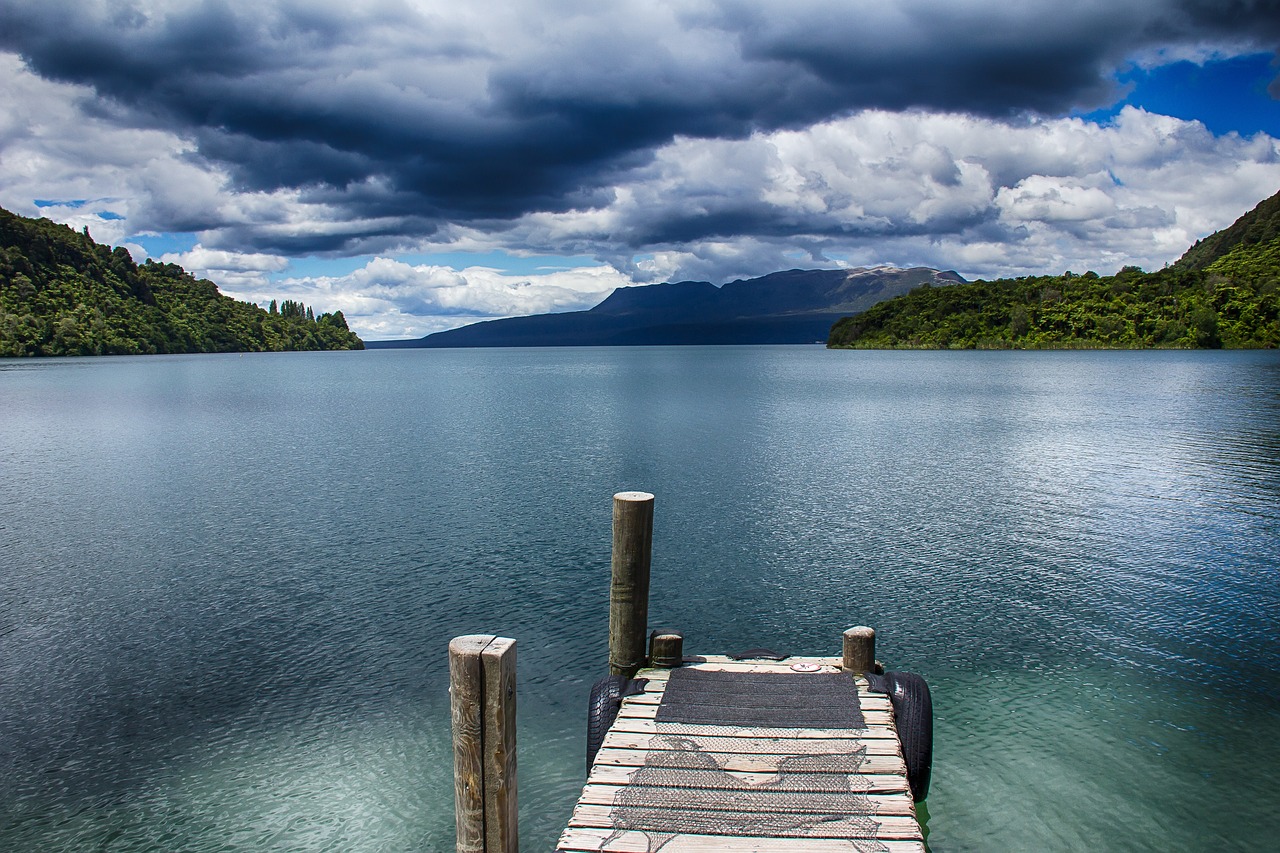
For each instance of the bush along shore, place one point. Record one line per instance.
(1224, 292)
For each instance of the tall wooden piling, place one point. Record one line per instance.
(629, 589)
(859, 649)
(482, 688)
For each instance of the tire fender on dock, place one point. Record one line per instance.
(602, 710)
(913, 716)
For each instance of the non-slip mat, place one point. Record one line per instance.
(777, 700)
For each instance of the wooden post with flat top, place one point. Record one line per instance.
(859, 649)
(482, 690)
(629, 589)
(666, 648)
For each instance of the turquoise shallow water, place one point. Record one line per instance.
(228, 582)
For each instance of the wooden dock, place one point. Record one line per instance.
(745, 788)
(754, 753)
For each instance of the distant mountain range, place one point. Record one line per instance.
(792, 307)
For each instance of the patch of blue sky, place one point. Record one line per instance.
(504, 261)
(76, 204)
(313, 267)
(167, 243)
(1226, 95)
(509, 264)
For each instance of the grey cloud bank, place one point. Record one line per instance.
(682, 139)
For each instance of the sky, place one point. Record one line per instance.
(420, 165)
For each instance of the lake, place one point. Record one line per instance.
(229, 582)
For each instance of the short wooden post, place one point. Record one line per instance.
(859, 649)
(482, 688)
(629, 589)
(666, 648)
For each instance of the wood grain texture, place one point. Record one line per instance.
(584, 840)
(501, 829)
(466, 691)
(812, 802)
(882, 783)
(859, 649)
(629, 584)
(834, 826)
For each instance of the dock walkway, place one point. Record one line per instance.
(688, 773)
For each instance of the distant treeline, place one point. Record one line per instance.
(63, 294)
(1224, 292)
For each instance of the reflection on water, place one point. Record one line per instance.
(228, 583)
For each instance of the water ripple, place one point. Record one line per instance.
(228, 584)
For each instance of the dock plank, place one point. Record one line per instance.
(740, 762)
(639, 711)
(804, 824)
(578, 840)
(867, 701)
(768, 801)
(773, 746)
(884, 783)
(647, 725)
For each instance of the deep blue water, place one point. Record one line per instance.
(228, 583)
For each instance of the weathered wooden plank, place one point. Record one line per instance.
(818, 802)
(771, 746)
(659, 685)
(498, 661)
(582, 840)
(871, 702)
(737, 761)
(641, 711)
(748, 667)
(466, 688)
(645, 724)
(829, 660)
(832, 826)
(758, 667)
(658, 678)
(886, 783)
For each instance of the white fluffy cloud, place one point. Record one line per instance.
(232, 271)
(983, 196)
(387, 298)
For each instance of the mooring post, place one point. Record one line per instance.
(629, 589)
(859, 649)
(482, 690)
(666, 648)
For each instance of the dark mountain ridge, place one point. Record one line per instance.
(795, 306)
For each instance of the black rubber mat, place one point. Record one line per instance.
(774, 700)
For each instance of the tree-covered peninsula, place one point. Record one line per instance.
(63, 294)
(1224, 292)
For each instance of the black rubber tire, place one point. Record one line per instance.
(913, 715)
(602, 710)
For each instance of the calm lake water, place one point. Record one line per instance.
(227, 583)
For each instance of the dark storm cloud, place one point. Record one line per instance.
(417, 114)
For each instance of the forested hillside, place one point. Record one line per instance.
(1224, 292)
(63, 294)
